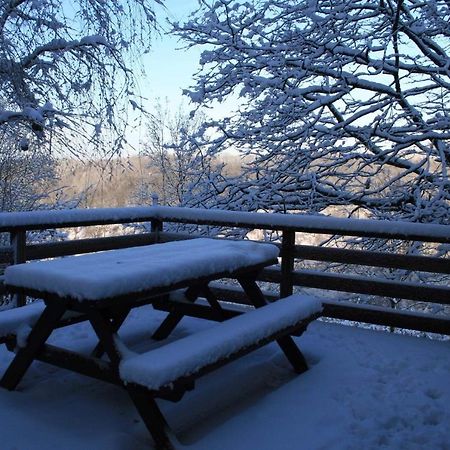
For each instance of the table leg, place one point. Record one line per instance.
(105, 331)
(211, 299)
(46, 323)
(117, 319)
(286, 343)
(252, 291)
(174, 317)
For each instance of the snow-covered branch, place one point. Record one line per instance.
(77, 57)
(343, 103)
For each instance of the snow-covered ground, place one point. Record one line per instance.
(365, 390)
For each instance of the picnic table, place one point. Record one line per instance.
(103, 287)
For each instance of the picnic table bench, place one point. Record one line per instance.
(103, 287)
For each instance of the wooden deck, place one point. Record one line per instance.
(430, 289)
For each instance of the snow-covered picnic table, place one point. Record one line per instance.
(103, 287)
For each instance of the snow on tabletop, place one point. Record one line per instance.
(116, 272)
(11, 320)
(164, 365)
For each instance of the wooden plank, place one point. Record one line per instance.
(235, 294)
(167, 236)
(275, 336)
(287, 263)
(65, 248)
(275, 221)
(318, 229)
(156, 226)
(69, 360)
(105, 331)
(198, 310)
(387, 317)
(363, 285)
(359, 313)
(18, 245)
(78, 218)
(152, 417)
(135, 299)
(309, 224)
(374, 259)
(117, 317)
(293, 353)
(176, 314)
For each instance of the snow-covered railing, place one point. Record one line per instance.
(40, 220)
(286, 275)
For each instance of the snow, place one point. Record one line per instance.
(365, 389)
(304, 222)
(60, 217)
(187, 356)
(117, 272)
(94, 40)
(12, 320)
(301, 222)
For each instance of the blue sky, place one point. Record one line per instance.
(169, 68)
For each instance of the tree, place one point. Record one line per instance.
(26, 179)
(342, 103)
(179, 170)
(65, 73)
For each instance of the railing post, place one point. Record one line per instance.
(287, 263)
(156, 225)
(18, 244)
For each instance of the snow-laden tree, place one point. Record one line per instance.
(65, 69)
(26, 179)
(177, 167)
(341, 103)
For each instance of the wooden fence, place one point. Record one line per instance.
(285, 274)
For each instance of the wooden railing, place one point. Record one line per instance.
(286, 275)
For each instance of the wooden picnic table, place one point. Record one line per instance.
(103, 287)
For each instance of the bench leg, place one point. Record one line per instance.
(286, 343)
(152, 417)
(174, 317)
(39, 334)
(293, 354)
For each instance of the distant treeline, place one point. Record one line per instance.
(115, 182)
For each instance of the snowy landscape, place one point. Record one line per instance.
(321, 128)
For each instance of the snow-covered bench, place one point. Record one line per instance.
(17, 322)
(103, 287)
(173, 368)
(197, 354)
